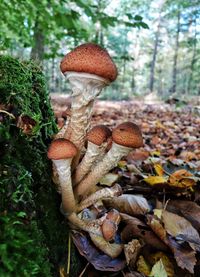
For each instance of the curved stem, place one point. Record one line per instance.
(109, 161)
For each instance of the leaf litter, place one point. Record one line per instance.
(162, 242)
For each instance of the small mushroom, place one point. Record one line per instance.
(61, 152)
(88, 68)
(126, 137)
(97, 139)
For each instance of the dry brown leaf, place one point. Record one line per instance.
(130, 204)
(134, 274)
(131, 251)
(188, 209)
(180, 228)
(181, 178)
(183, 254)
(135, 228)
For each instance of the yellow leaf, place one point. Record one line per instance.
(143, 266)
(122, 164)
(158, 213)
(160, 125)
(159, 169)
(155, 180)
(155, 153)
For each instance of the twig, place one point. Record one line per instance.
(9, 114)
(84, 270)
(69, 255)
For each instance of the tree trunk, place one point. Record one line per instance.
(193, 58)
(37, 51)
(174, 72)
(155, 50)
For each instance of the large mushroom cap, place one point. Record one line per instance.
(90, 58)
(61, 149)
(99, 134)
(128, 134)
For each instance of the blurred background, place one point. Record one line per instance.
(155, 44)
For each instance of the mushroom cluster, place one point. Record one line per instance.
(89, 68)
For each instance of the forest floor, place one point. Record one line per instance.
(171, 129)
(165, 169)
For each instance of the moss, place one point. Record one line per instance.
(33, 233)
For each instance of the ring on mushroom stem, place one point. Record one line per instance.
(88, 68)
(126, 137)
(61, 152)
(97, 139)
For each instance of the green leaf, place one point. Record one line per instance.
(158, 270)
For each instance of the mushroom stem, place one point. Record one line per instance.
(94, 229)
(92, 154)
(99, 195)
(109, 161)
(85, 88)
(64, 173)
(111, 249)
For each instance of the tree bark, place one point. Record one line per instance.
(193, 58)
(155, 50)
(174, 72)
(37, 51)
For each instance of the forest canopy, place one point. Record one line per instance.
(155, 44)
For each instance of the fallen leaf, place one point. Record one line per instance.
(134, 274)
(183, 254)
(94, 256)
(131, 251)
(155, 180)
(135, 228)
(130, 204)
(181, 228)
(158, 270)
(181, 178)
(143, 266)
(168, 265)
(109, 179)
(159, 169)
(188, 209)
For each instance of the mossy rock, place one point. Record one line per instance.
(33, 233)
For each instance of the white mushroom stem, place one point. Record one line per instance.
(64, 173)
(105, 193)
(110, 160)
(92, 154)
(85, 88)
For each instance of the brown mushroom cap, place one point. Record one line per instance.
(109, 229)
(128, 134)
(99, 134)
(61, 149)
(90, 58)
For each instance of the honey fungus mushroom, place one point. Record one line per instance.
(126, 137)
(97, 141)
(61, 151)
(88, 68)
